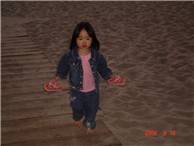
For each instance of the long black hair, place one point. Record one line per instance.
(88, 27)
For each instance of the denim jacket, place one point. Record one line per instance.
(70, 64)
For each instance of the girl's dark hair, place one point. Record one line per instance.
(87, 26)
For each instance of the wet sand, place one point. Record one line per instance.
(150, 43)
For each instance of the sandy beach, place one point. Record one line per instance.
(150, 43)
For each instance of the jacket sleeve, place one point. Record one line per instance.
(103, 68)
(63, 67)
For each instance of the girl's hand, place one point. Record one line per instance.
(117, 80)
(56, 84)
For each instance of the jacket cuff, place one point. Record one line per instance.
(108, 76)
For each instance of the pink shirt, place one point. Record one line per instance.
(88, 78)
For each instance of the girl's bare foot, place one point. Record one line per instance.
(77, 124)
(89, 131)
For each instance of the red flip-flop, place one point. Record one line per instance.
(117, 80)
(53, 86)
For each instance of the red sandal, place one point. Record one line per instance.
(117, 80)
(53, 86)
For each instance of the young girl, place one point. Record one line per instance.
(83, 63)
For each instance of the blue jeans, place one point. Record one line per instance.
(85, 105)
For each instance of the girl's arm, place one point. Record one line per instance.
(107, 74)
(62, 72)
(63, 67)
(103, 68)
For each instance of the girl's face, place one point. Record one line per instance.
(83, 41)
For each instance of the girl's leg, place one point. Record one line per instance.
(77, 107)
(77, 114)
(91, 104)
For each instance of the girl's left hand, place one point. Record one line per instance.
(117, 80)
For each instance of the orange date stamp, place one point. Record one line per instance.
(152, 132)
